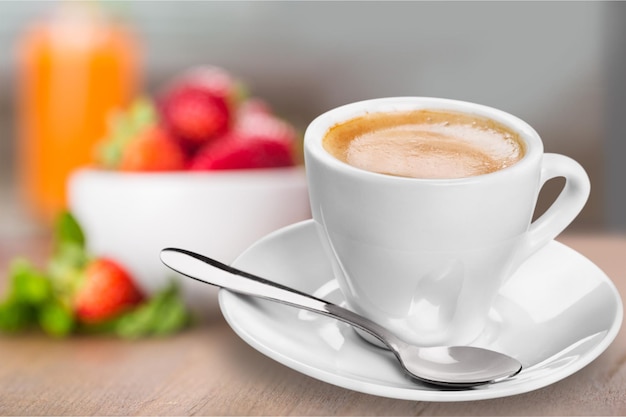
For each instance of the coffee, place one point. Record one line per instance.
(424, 144)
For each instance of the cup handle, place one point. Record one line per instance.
(567, 205)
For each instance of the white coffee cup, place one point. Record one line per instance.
(426, 257)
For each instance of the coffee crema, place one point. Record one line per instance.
(427, 144)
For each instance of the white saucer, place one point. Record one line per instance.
(555, 315)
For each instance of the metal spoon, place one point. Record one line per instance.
(455, 366)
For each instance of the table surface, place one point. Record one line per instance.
(209, 370)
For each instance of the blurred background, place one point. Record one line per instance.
(558, 65)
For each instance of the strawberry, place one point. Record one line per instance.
(238, 151)
(195, 116)
(214, 80)
(197, 106)
(107, 291)
(153, 149)
(257, 123)
(253, 105)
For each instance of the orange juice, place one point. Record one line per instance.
(73, 70)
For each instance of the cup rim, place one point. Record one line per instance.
(321, 124)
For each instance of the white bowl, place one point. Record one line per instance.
(130, 217)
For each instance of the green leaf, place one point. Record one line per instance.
(165, 313)
(28, 285)
(56, 319)
(142, 114)
(68, 231)
(69, 259)
(70, 255)
(15, 316)
(173, 316)
(137, 323)
(65, 277)
(124, 125)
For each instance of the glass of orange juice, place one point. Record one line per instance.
(73, 69)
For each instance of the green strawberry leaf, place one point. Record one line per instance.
(28, 289)
(135, 324)
(69, 245)
(68, 231)
(165, 313)
(173, 317)
(142, 113)
(56, 319)
(15, 316)
(123, 127)
(69, 259)
(28, 285)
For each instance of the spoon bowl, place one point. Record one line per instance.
(449, 366)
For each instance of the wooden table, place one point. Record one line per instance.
(209, 370)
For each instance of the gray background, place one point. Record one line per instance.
(558, 65)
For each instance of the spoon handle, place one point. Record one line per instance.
(202, 268)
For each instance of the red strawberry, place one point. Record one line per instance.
(256, 123)
(214, 80)
(196, 107)
(194, 115)
(153, 150)
(236, 151)
(107, 291)
(253, 106)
